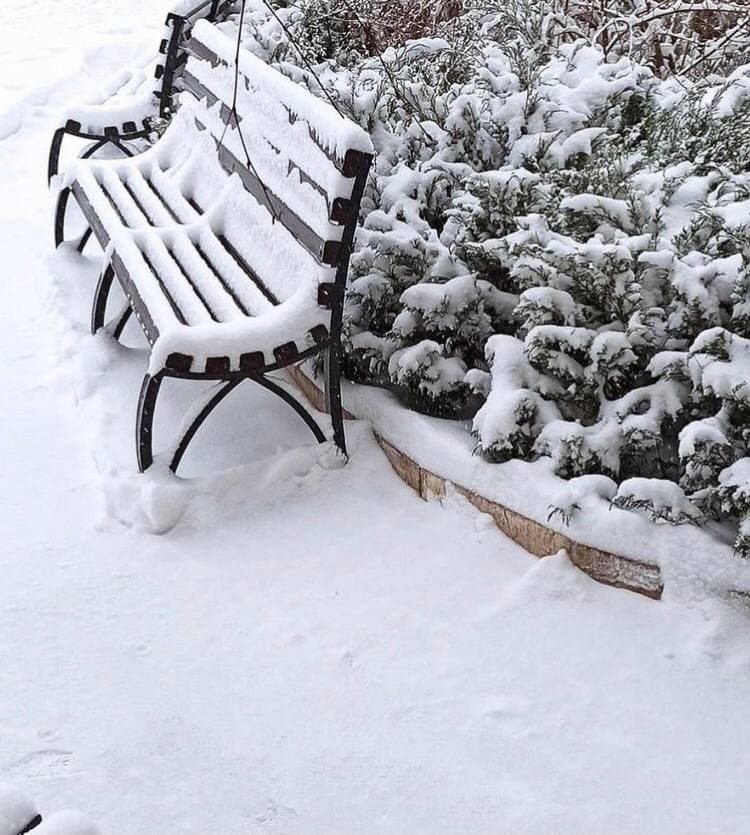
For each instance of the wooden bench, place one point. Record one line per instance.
(231, 236)
(134, 116)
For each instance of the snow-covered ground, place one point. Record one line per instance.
(311, 649)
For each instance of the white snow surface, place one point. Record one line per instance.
(16, 810)
(308, 648)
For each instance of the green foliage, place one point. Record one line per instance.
(582, 208)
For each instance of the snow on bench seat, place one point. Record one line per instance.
(229, 292)
(172, 182)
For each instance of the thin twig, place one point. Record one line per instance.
(386, 69)
(302, 55)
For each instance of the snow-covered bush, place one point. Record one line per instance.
(555, 234)
(690, 38)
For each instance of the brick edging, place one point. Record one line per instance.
(603, 566)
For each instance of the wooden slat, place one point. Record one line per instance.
(105, 191)
(92, 218)
(349, 166)
(137, 202)
(179, 315)
(201, 297)
(142, 313)
(162, 199)
(339, 211)
(200, 91)
(247, 269)
(220, 278)
(313, 243)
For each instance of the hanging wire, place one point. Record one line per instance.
(302, 55)
(290, 37)
(369, 33)
(235, 117)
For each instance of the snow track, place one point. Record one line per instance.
(310, 649)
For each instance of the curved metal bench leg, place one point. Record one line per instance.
(294, 403)
(226, 389)
(125, 150)
(53, 163)
(85, 238)
(93, 148)
(334, 405)
(145, 420)
(121, 322)
(99, 309)
(32, 824)
(199, 420)
(62, 206)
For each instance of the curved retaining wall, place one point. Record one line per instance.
(611, 569)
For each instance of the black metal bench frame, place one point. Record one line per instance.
(167, 73)
(253, 366)
(32, 824)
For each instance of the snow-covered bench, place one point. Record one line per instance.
(231, 236)
(133, 110)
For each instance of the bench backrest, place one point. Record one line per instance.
(179, 24)
(299, 159)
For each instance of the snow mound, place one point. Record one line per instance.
(552, 579)
(163, 498)
(16, 810)
(68, 822)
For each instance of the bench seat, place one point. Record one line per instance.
(201, 313)
(158, 188)
(155, 189)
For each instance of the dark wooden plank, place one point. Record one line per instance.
(137, 202)
(106, 193)
(349, 165)
(162, 199)
(247, 269)
(319, 248)
(338, 210)
(202, 52)
(195, 205)
(92, 218)
(200, 91)
(142, 313)
(167, 295)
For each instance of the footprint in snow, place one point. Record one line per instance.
(45, 764)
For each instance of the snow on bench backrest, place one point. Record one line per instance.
(179, 23)
(304, 157)
(192, 10)
(188, 8)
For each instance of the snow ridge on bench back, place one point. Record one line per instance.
(299, 146)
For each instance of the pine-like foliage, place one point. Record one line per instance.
(555, 236)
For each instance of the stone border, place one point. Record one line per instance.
(610, 569)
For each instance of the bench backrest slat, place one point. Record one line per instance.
(304, 157)
(348, 163)
(179, 23)
(281, 131)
